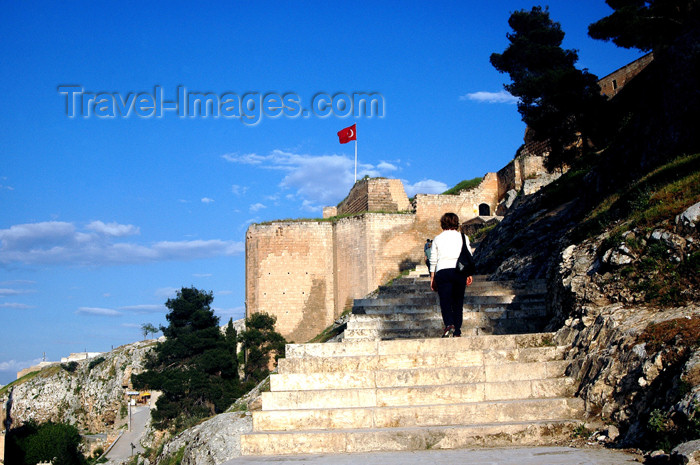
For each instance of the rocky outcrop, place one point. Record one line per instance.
(623, 376)
(626, 301)
(212, 442)
(89, 394)
(636, 359)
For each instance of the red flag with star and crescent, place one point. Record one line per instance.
(347, 134)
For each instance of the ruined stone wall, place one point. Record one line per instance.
(307, 273)
(376, 195)
(611, 84)
(508, 178)
(351, 250)
(357, 200)
(465, 205)
(289, 274)
(387, 195)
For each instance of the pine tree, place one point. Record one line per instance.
(193, 367)
(559, 102)
(260, 342)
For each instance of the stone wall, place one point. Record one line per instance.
(289, 273)
(369, 250)
(430, 207)
(611, 84)
(375, 195)
(307, 273)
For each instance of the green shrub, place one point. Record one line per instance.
(95, 362)
(70, 367)
(463, 186)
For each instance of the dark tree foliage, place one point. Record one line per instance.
(557, 101)
(231, 336)
(647, 24)
(260, 341)
(193, 367)
(32, 443)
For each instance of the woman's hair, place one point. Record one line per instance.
(449, 221)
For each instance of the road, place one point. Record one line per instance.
(122, 450)
(514, 456)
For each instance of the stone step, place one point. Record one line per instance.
(398, 319)
(432, 299)
(496, 327)
(423, 376)
(463, 358)
(405, 439)
(418, 395)
(523, 310)
(419, 415)
(425, 328)
(419, 346)
(534, 286)
(535, 308)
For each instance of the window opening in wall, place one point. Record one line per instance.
(484, 210)
(614, 84)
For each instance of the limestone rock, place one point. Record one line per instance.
(92, 397)
(212, 442)
(689, 218)
(688, 453)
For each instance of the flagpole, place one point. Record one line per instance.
(356, 156)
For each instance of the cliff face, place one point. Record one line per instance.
(92, 397)
(623, 274)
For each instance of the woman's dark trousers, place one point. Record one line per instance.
(450, 288)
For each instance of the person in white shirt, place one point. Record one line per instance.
(444, 278)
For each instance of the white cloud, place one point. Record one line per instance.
(15, 306)
(98, 311)
(207, 200)
(6, 292)
(113, 229)
(316, 179)
(166, 292)
(16, 365)
(202, 275)
(384, 166)
(246, 159)
(238, 190)
(257, 207)
(61, 243)
(490, 97)
(426, 186)
(225, 313)
(156, 308)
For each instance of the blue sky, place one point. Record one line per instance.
(102, 219)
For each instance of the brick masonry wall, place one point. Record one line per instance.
(376, 195)
(289, 274)
(357, 200)
(465, 205)
(611, 84)
(307, 273)
(508, 178)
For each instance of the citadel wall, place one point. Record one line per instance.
(307, 273)
(375, 195)
(290, 274)
(611, 84)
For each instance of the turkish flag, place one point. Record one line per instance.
(347, 134)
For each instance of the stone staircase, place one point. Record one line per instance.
(361, 396)
(409, 309)
(392, 384)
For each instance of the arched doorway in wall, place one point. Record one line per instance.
(484, 210)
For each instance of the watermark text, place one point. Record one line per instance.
(249, 107)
